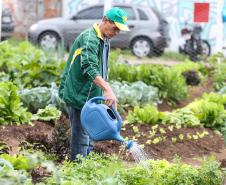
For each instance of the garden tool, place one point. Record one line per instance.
(102, 122)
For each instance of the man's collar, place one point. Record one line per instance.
(97, 29)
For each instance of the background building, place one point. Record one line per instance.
(27, 12)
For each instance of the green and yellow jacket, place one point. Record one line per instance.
(83, 65)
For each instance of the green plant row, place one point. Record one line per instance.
(219, 76)
(17, 169)
(49, 113)
(218, 70)
(208, 111)
(169, 81)
(26, 66)
(40, 97)
(137, 93)
(107, 170)
(13, 112)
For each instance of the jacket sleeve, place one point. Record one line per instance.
(89, 57)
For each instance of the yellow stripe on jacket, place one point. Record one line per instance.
(76, 53)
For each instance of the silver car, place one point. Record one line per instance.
(149, 33)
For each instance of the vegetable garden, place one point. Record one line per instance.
(176, 114)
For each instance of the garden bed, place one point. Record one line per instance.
(168, 149)
(187, 149)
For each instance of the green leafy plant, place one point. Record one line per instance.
(165, 173)
(25, 160)
(170, 83)
(218, 64)
(215, 97)
(148, 115)
(48, 113)
(35, 98)
(180, 117)
(137, 93)
(17, 169)
(11, 110)
(219, 76)
(210, 114)
(28, 66)
(9, 176)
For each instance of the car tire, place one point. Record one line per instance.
(49, 40)
(142, 47)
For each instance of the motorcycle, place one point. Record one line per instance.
(195, 47)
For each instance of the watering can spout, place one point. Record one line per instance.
(128, 144)
(119, 138)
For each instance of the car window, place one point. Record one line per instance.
(91, 13)
(156, 14)
(130, 11)
(142, 14)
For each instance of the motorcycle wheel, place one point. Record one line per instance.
(203, 50)
(190, 49)
(206, 49)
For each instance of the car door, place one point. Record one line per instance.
(123, 39)
(148, 22)
(83, 20)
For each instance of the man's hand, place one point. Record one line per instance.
(110, 98)
(108, 92)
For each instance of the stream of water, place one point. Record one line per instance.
(140, 156)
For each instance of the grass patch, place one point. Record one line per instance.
(169, 55)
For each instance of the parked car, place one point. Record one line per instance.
(7, 26)
(149, 33)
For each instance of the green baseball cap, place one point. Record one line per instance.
(119, 17)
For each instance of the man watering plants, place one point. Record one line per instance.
(85, 74)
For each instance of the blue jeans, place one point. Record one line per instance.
(80, 141)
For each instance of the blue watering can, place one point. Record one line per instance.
(102, 122)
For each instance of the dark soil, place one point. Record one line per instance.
(38, 174)
(14, 135)
(186, 148)
(43, 136)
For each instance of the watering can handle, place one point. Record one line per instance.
(92, 100)
(119, 125)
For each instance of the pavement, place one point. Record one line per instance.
(152, 61)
